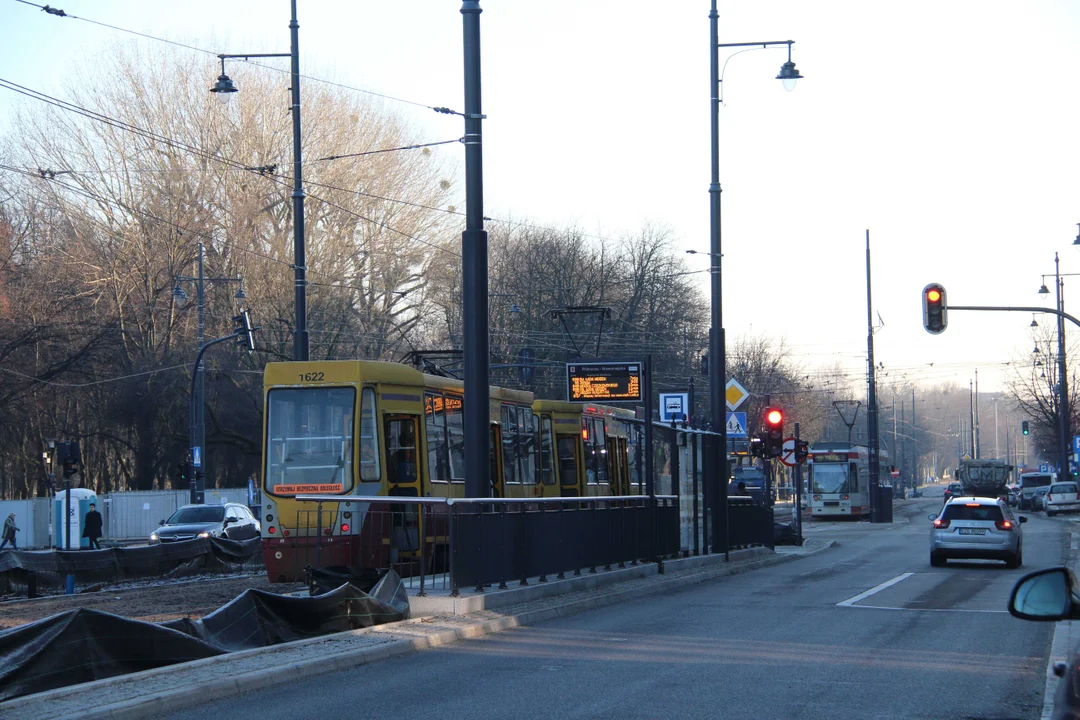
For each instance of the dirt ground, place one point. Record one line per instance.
(153, 603)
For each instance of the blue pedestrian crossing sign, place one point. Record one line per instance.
(736, 424)
(1076, 444)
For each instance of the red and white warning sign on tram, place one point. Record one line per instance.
(894, 473)
(787, 452)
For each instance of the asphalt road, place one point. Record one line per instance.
(789, 641)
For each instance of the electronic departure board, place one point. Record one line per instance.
(600, 381)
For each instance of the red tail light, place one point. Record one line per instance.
(327, 531)
(272, 530)
(817, 497)
(941, 524)
(345, 527)
(845, 497)
(285, 533)
(1003, 525)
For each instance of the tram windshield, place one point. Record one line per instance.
(830, 478)
(309, 440)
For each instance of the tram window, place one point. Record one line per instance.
(369, 438)
(310, 437)
(526, 448)
(853, 478)
(509, 444)
(401, 451)
(455, 434)
(435, 425)
(547, 467)
(567, 448)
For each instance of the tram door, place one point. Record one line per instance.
(618, 470)
(404, 479)
(495, 464)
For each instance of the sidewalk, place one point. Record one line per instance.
(164, 690)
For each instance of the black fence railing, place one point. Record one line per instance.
(750, 524)
(476, 542)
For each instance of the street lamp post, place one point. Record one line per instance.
(1063, 383)
(717, 347)
(224, 88)
(197, 416)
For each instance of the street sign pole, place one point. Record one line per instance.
(797, 512)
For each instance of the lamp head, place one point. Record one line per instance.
(515, 310)
(788, 75)
(1044, 290)
(240, 294)
(179, 294)
(223, 88)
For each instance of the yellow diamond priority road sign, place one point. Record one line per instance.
(735, 394)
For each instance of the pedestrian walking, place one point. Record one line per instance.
(92, 527)
(9, 532)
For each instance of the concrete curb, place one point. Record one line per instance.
(180, 698)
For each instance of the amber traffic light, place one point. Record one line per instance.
(935, 309)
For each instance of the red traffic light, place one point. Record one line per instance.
(774, 417)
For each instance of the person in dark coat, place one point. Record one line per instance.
(92, 527)
(9, 532)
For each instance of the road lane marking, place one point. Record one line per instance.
(874, 590)
(915, 609)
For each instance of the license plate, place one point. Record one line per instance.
(972, 531)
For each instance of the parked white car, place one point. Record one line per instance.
(1063, 497)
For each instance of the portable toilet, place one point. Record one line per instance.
(80, 505)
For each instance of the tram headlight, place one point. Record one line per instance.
(203, 534)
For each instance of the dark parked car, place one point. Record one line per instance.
(1052, 595)
(953, 490)
(232, 521)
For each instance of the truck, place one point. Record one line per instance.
(985, 478)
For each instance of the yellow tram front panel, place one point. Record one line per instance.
(562, 472)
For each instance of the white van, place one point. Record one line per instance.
(1029, 482)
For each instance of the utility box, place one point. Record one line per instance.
(80, 505)
(884, 503)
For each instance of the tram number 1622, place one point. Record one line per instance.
(312, 377)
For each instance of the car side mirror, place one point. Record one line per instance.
(231, 519)
(161, 523)
(1045, 595)
(931, 516)
(1023, 519)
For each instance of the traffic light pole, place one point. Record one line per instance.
(197, 488)
(797, 512)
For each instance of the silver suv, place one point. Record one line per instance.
(976, 528)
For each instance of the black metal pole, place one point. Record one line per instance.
(717, 351)
(300, 339)
(474, 268)
(650, 457)
(197, 494)
(199, 440)
(978, 443)
(797, 511)
(873, 438)
(1063, 393)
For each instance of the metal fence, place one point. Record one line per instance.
(31, 517)
(134, 515)
(477, 542)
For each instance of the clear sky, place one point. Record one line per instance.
(946, 128)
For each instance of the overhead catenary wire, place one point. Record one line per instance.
(57, 12)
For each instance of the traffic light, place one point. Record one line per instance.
(183, 474)
(774, 432)
(1024, 427)
(243, 330)
(757, 446)
(934, 309)
(802, 450)
(705, 364)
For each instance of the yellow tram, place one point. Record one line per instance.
(362, 428)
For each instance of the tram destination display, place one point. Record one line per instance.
(599, 381)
